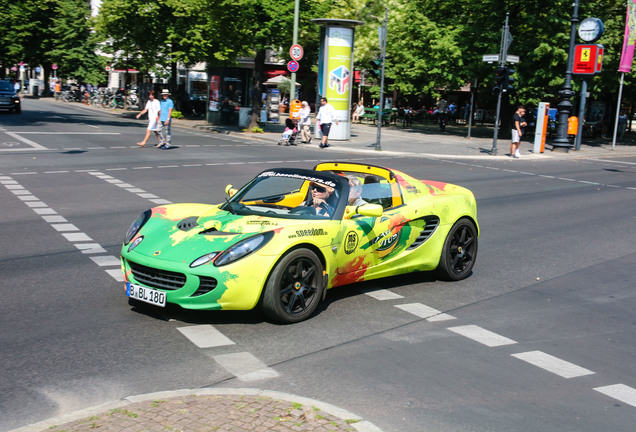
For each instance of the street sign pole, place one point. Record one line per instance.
(292, 89)
(502, 63)
(378, 145)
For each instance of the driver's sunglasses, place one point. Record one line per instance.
(319, 189)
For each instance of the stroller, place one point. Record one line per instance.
(290, 134)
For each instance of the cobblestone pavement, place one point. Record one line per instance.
(209, 410)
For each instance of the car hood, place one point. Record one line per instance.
(183, 232)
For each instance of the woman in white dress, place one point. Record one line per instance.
(153, 108)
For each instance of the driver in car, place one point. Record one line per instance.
(319, 195)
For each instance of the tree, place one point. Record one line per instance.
(73, 49)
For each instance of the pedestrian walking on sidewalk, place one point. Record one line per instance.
(153, 108)
(305, 123)
(518, 128)
(326, 115)
(167, 105)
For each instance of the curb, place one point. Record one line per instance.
(359, 424)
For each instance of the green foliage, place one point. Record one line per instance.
(177, 114)
(73, 49)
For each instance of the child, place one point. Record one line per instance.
(289, 135)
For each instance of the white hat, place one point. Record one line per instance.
(165, 92)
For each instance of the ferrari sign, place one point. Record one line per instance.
(588, 59)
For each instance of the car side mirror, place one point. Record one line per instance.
(374, 210)
(230, 190)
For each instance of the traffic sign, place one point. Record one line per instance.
(491, 58)
(292, 66)
(512, 58)
(38, 69)
(296, 52)
(54, 66)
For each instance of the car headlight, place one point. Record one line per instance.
(135, 243)
(243, 248)
(136, 226)
(203, 259)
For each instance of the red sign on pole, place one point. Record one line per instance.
(292, 66)
(587, 59)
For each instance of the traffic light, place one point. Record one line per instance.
(500, 79)
(376, 67)
(503, 79)
(509, 79)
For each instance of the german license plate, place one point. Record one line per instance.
(144, 294)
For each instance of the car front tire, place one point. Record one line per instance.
(460, 251)
(294, 287)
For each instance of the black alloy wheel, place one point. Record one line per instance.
(294, 287)
(460, 251)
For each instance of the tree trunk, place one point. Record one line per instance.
(259, 69)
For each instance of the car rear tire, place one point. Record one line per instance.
(294, 287)
(460, 251)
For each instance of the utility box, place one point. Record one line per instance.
(541, 128)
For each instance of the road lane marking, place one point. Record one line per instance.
(481, 335)
(426, 312)
(553, 364)
(90, 248)
(106, 261)
(26, 141)
(76, 237)
(245, 366)
(62, 227)
(382, 294)
(130, 188)
(205, 336)
(619, 392)
(57, 222)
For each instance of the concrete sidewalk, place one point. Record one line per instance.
(425, 142)
(220, 410)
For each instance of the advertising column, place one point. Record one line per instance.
(335, 72)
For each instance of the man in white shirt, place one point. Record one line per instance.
(326, 115)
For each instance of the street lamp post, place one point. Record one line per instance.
(561, 143)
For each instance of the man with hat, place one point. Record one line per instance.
(167, 105)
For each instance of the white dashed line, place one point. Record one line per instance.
(382, 294)
(62, 227)
(619, 392)
(76, 237)
(106, 260)
(245, 366)
(423, 311)
(553, 364)
(90, 248)
(482, 335)
(205, 336)
(57, 222)
(130, 188)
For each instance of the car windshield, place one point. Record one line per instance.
(6, 86)
(291, 194)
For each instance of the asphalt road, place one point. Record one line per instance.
(540, 337)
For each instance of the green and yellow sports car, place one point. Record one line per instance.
(288, 235)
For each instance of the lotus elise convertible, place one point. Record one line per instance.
(286, 237)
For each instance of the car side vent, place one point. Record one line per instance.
(214, 231)
(431, 224)
(188, 223)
